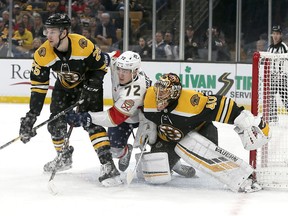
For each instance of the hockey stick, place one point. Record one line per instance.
(51, 186)
(45, 122)
(130, 174)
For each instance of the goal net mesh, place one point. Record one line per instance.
(270, 100)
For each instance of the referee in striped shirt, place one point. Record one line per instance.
(279, 76)
(277, 46)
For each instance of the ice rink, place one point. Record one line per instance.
(23, 185)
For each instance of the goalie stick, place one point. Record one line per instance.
(45, 122)
(130, 174)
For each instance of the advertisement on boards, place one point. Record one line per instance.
(232, 80)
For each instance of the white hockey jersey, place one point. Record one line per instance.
(127, 101)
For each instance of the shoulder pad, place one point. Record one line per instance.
(45, 55)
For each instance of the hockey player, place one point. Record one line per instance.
(279, 80)
(178, 116)
(80, 66)
(129, 85)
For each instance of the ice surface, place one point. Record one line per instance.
(23, 185)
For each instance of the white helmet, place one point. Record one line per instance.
(129, 60)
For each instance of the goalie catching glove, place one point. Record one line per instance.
(26, 127)
(79, 119)
(146, 130)
(253, 131)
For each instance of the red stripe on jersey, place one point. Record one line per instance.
(116, 116)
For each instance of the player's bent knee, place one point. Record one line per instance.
(155, 168)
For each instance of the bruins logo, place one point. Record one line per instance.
(169, 133)
(42, 51)
(195, 100)
(83, 43)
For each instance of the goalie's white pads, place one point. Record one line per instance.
(253, 131)
(204, 155)
(146, 130)
(155, 168)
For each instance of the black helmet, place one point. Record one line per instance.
(276, 28)
(58, 20)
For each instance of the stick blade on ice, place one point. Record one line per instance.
(129, 177)
(52, 188)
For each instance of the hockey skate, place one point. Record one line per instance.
(184, 170)
(249, 186)
(64, 163)
(109, 175)
(123, 162)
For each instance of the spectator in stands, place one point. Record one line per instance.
(222, 47)
(16, 16)
(118, 4)
(75, 25)
(51, 9)
(62, 7)
(143, 49)
(38, 27)
(108, 4)
(119, 22)
(26, 20)
(136, 6)
(95, 6)
(37, 42)
(3, 5)
(4, 48)
(86, 31)
(5, 16)
(78, 6)
(2, 26)
(191, 45)
(168, 39)
(86, 16)
(262, 43)
(163, 50)
(106, 30)
(22, 39)
(93, 26)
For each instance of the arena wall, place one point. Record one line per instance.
(232, 80)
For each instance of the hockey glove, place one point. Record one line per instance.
(78, 119)
(146, 130)
(26, 127)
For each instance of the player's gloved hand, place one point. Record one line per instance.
(78, 119)
(26, 127)
(147, 130)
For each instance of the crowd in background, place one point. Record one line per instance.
(102, 21)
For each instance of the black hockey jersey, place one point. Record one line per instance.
(188, 113)
(81, 59)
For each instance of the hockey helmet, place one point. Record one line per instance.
(58, 21)
(167, 89)
(129, 61)
(276, 28)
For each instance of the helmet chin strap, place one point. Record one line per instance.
(60, 40)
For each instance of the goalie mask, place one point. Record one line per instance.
(167, 89)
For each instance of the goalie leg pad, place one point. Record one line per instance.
(253, 131)
(155, 168)
(205, 156)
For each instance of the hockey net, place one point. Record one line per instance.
(270, 100)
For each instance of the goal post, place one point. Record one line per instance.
(270, 100)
